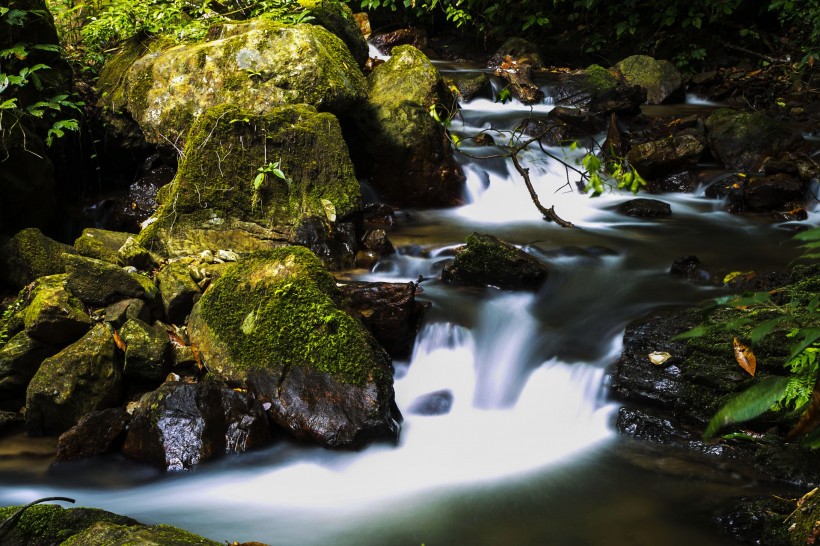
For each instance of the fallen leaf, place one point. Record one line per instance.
(119, 342)
(658, 357)
(745, 357)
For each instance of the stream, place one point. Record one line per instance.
(526, 453)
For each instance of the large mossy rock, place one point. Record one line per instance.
(48, 524)
(83, 377)
(29, 255)
(660, 78)
(112, 534)
(218, 202)
(255, 65)
(180, 425)
(100, 283)
(338, 18)
(101, 244)
(53, 314)
(743, 140)
(487, 261)
(272, 324)
(19, 360)
(403, 151)
(147, 350)
(580, 87)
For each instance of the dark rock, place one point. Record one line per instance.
(645, 208)
(471, 85)
(768, 193)
(29, 255)
(743, 140)
(518, 75)
(83, 377)
(614, 146)
(551, 132)
(101, 244)
(581, 120)
(180, 425)
(682, 182)
(177, 289)
(377, 241)
(522, 50)
(659, 157)
(622, 99)
(757, 520)
(118, 313)
(100, 283)
(660, 78)
(366, 259)
(579, 88)
(53, 315)
(95, 433)
(19, 360)
(335, 246)
(415, 37)
(690, 268)
(435, 403)
(9, 419)
(389, 310)
(486, 260)
(147, 352)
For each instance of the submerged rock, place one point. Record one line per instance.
(402, 150)
(29, 255)
(435, 403)
(486, 260)
(272, 323)
(645, 208)
(180, 425)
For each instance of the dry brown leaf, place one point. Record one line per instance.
(196, 357)
(745, 357)
(119, 342)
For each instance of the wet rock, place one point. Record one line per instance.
(147, 352)
(101, 244)
(214, 202)
(389, 310)
(53, 315)
(337, 17)
(19, 360)
(29, 255)
(272, 323)
(518, 75)
(758, 520)
(180, 425)
(83, 377)
(768, 193)
(524, 51)
(681, 182)
(133, 254)
(100, 283)
(435, 403)
(690, 268)
(402, 151)
(486, 260)
(250, 66)
(579, 88)
(178, 290)
(97, 432)
(385, 42)
(581, 121)
(366, 259)
(551, 132)
(622, 99)
(660, 78)
(659, 157)
(9, 420)
(118, 313)
(49, 524)
(645, 208)
(743, 140)
(335, 246)
(377, 241)
(470, 85)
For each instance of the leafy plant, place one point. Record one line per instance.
(263, 172)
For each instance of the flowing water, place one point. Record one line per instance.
(525, 452)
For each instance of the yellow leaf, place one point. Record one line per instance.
(330, 210)
(657, 358)
(745, 357)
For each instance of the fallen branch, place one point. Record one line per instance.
(12, 520)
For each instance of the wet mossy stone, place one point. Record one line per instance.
(101, 244)
(579, 88)
(217, 200)
(118, 313)
(19, 360)
(48, 524)
(112, 534)
(83, 377)
(660, 78)
(273, 324)
(134, 254)
(181, 425)
(661, 157)
(147, 350)
(96, 282)
(255, 65)
(337, 17)
(487, 261)
(29, 255)
(645, 208)
(743, 140)
(53, 315)
(404, 152)
(178, 289)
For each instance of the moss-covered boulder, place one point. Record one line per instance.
(178, 289)
(657, 158)
(578, 88)
(487, 261)
(29, 255)
(255, 65)
(122, 311)
(112, 534)
(660, 78)
(83, 377)
(19, 360)
(133, 254)
(251, 182)
(53, 315)
(147, 351)
(100, 283)
(337, 17)
(402, 150)
(181, 425)
(101, 244)
(48, 524)
(272, 323)
(743, 140)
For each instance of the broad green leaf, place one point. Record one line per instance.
(810, 235)
(257, 182)
(763, 329)
(810, 335)
(697, 331)
(751, 403)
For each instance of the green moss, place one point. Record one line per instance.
(30, 255)
(599, 80)
(101, 244)
(47, 524)
(106, 533)
(279, 309)
(408, 76)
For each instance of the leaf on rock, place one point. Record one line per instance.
(745, 357)
(659, 357)
(119, 342)
(749, 404)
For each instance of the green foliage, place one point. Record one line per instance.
(615, 173)
(751, 403)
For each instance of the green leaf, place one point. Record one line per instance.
(810, 335)
(762, 330)
(751, 403)
(698, 331)
(810, 235)
(258, 181)
(11, 103)
(812, 439)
